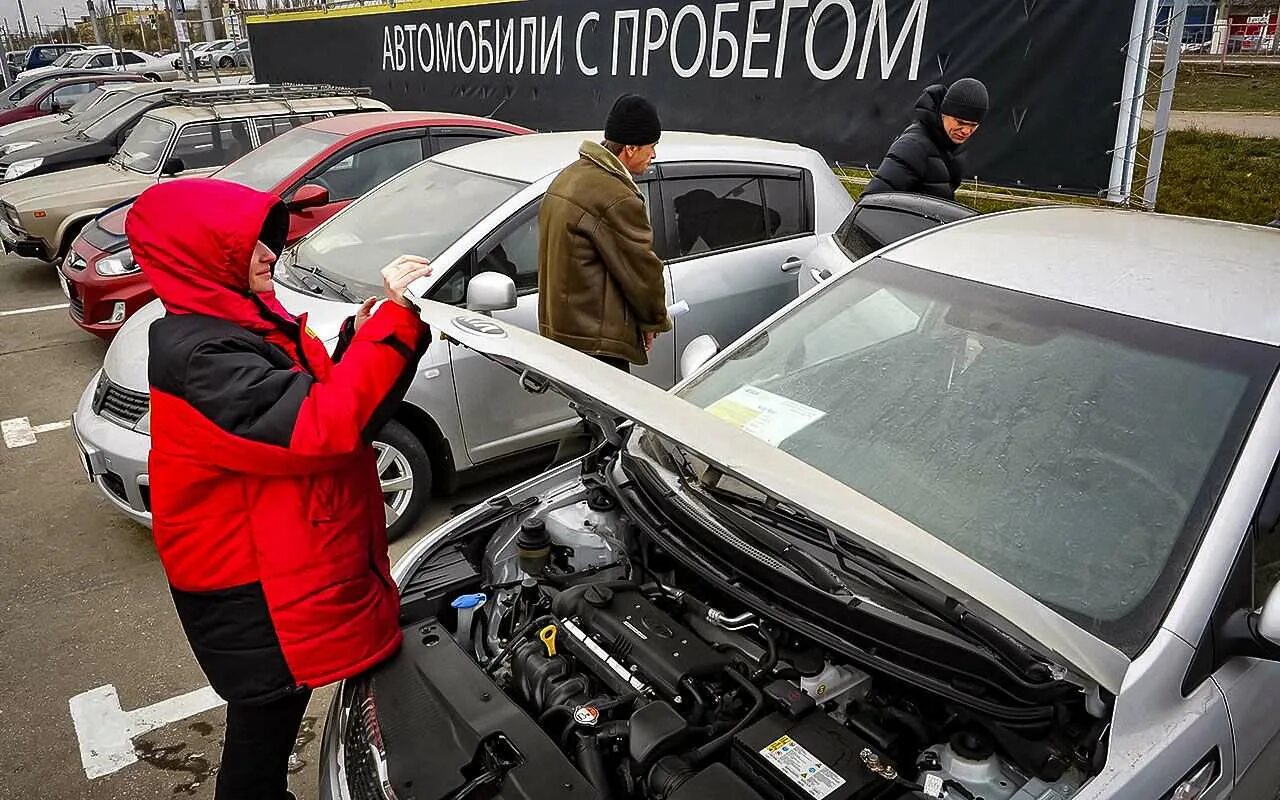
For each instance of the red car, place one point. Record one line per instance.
(57, 96)
(317, 168)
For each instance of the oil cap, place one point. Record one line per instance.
(598, 596)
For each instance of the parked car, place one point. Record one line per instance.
(460, 417)
(92, 105)
(24, 86)
(42, 55)
(224, 51)
(318, 168)
(199, 48)
(97, 141)
(1008, 532)
(59, 96)
(196, 132)
(76, 59)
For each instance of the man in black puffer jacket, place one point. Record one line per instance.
(926, 158)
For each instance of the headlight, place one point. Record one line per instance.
(121, 263)
(16, 146)
(144, 424)
(19, 168)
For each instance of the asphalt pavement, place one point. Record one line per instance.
(83, 600)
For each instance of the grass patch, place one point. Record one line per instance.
(1245, 88)
(1219, 176)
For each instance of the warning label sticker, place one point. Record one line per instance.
(802, 767)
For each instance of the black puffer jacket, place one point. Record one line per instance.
(923, 159)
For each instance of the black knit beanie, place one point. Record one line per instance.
(967, 100)
(634, 121)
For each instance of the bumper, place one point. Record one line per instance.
(96, 301)
(114, 457)
(23, 244)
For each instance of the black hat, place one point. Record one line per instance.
(967, 100)
(634, 121)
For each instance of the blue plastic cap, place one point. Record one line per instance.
(469, 600)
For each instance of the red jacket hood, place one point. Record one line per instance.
(194, 238)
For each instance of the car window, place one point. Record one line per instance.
(101, 60)
(212, 144)
(785, 197)
(362, 170)
(120, 117)
(66, 96)
(719, 213)
(133, 58)
(449, 141)
(270, 127)
(144, 147)
(88, 99)
(264, 167)
(1266, 543)
(514, 253)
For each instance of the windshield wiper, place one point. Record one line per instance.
(859, 560)
(321, 279)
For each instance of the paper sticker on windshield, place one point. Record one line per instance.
(802, 767)
(765, 415)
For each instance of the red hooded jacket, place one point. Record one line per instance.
(267, 511)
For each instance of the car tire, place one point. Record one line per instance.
(401, 455)
(226, 63)
(151, 76)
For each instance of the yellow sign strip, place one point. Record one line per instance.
(368, 10)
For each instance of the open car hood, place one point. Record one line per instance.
(603, 390)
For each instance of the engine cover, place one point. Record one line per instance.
(634, 631)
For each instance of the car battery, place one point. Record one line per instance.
(811, 758)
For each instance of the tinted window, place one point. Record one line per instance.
(719, 213)
(785, 197)
(515, 253)
(212, 144)
(360, 171)
(133, 58)
(449, 141)
(101, 60)
(270, 127)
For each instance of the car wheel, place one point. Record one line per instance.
(226, 63)
(404, 470)
(151, 76)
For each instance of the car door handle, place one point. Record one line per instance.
(792, 264)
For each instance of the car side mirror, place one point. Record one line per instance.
(491, 291)
(173, 166)
(697, 354)
(1268, 620)
(309, 195)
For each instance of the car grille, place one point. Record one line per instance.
(115, 484)
(119, 404)
(363, 782)
(77, 302)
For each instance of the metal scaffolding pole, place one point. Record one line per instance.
(1169, 78)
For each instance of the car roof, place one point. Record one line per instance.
(348, 124)
(1206, 275)
(529, 158)
(248, 107)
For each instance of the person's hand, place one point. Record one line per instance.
(649, 336)
(397, 276)
(364, 312)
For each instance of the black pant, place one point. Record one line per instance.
(255, 752)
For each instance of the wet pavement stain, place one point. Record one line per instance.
(202, 728)
(306, 735)
(171, 758)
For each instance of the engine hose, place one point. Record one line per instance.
(909, 721)
(546, 716)
(591, 761)
(516, 637)
(699, 702)
(710, 748)
(771, 645)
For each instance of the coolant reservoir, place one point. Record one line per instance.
(590, 528)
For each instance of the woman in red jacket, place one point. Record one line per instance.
(266, 507)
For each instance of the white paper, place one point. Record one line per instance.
(802, 767)
(765, 415)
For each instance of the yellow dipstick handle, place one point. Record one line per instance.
(548, 637)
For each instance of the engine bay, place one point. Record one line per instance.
(652, 682)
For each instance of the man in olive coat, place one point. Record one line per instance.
(600, 286)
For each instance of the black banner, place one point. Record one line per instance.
(841, 76)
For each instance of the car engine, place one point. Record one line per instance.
(653, 684)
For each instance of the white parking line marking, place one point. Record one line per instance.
(19, 432)
(32, 310)
(106, 731)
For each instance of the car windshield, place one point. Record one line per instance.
(64, 59)
(118, 117)
(95, 106)
(86, 100)
(271, 163)
(144, 148)
(419, 212)
(1074, 452)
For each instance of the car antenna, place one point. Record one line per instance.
(499, 108)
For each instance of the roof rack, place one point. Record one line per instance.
(194, 96)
